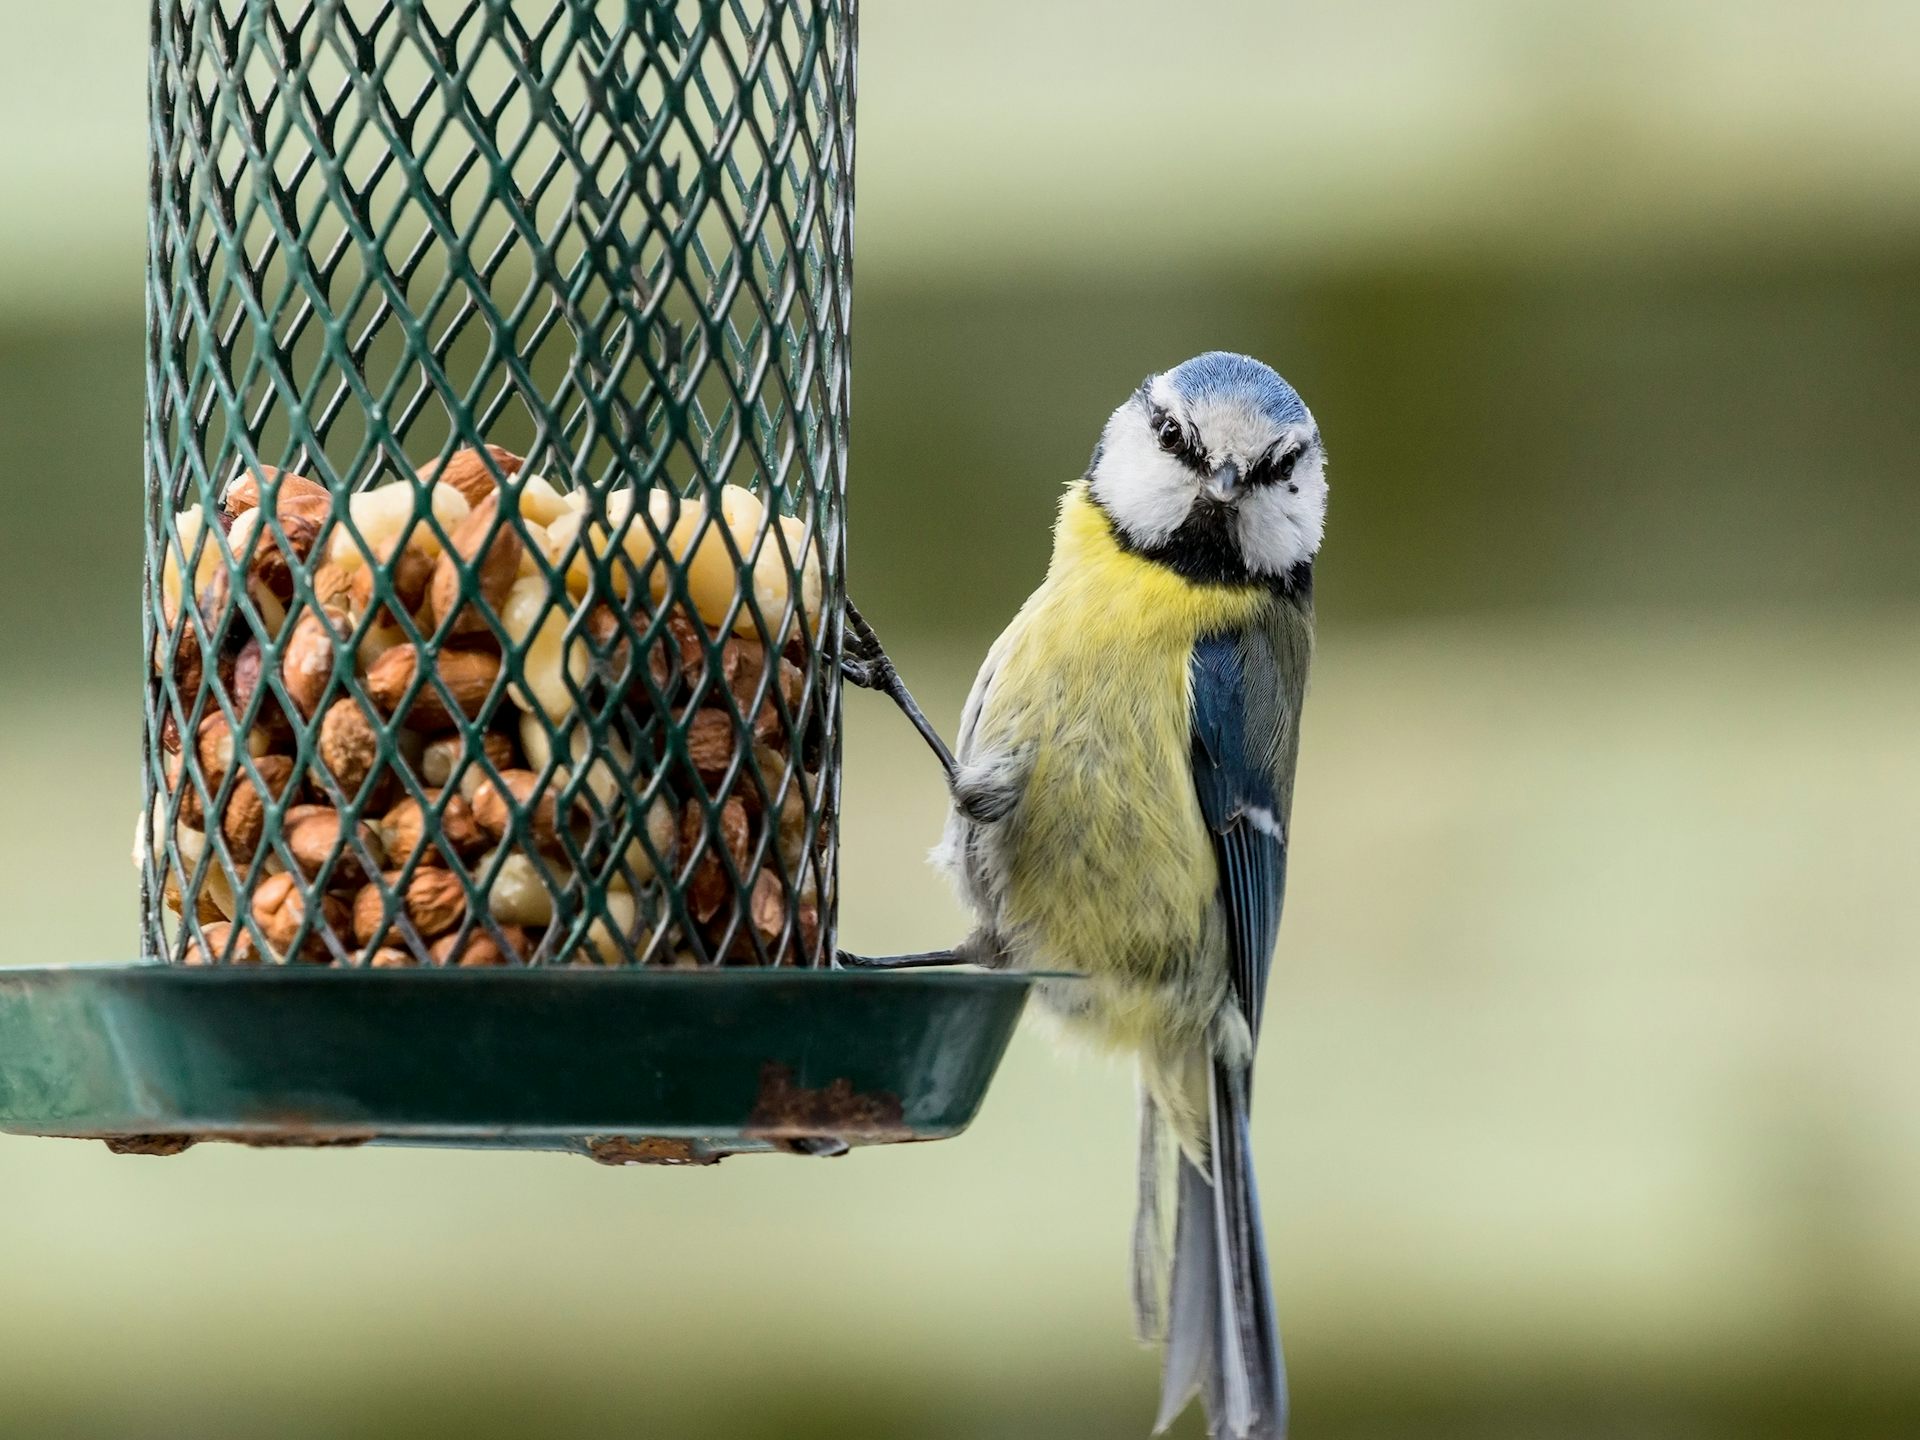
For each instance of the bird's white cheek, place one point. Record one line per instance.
(1147, 493)
(1280, 528)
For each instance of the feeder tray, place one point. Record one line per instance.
(626, 1066)
(567, 283)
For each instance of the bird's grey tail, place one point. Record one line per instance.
(1221, 1338)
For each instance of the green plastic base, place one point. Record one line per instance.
(627, 1066)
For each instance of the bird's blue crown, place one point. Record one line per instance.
(1221, 375)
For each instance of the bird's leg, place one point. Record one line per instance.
(864, 663)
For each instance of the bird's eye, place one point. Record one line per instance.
(1283, 467)
(1172, 437)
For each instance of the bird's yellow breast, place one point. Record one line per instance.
(1110, 870)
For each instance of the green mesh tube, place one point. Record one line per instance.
(587, 711)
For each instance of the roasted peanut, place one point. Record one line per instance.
(709, 886)
(767, 910)
(276, 557)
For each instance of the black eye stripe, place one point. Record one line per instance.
(1184, 449)
(1271, 469)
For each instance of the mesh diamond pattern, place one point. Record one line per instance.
(570, 698)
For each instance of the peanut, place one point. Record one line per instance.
(384, 516)
(442, 757)
(767, 910)
(277, 556)
(532, 621)
(518, 895)
(773, 581)
(744, 663)
(792, 836)
(192, 812)
(213, 746)
(708, 888)
(607, 939)
(215, 885)
(388, 957)
(383, 635)
(636, 542)
(662, 830)
(699, 543)
(540, 502)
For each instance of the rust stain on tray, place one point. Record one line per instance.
(786, 1110)
(648, 1150)
(260, 1140)
(150, 1144)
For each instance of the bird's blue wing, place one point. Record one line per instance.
(1235, 719)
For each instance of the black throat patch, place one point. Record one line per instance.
(1205, 551)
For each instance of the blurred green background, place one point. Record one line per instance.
(1590, 1101)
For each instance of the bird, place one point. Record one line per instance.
(1120, 821)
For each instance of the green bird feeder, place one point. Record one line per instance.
(496, 448)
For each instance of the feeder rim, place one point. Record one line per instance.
(512, 974)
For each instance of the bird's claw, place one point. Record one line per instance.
(859, 673)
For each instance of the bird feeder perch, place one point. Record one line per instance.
(496, 451)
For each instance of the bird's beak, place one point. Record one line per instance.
(1223, 485)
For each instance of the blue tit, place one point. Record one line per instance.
(1121, 797)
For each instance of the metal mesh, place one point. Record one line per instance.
(610, 239)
